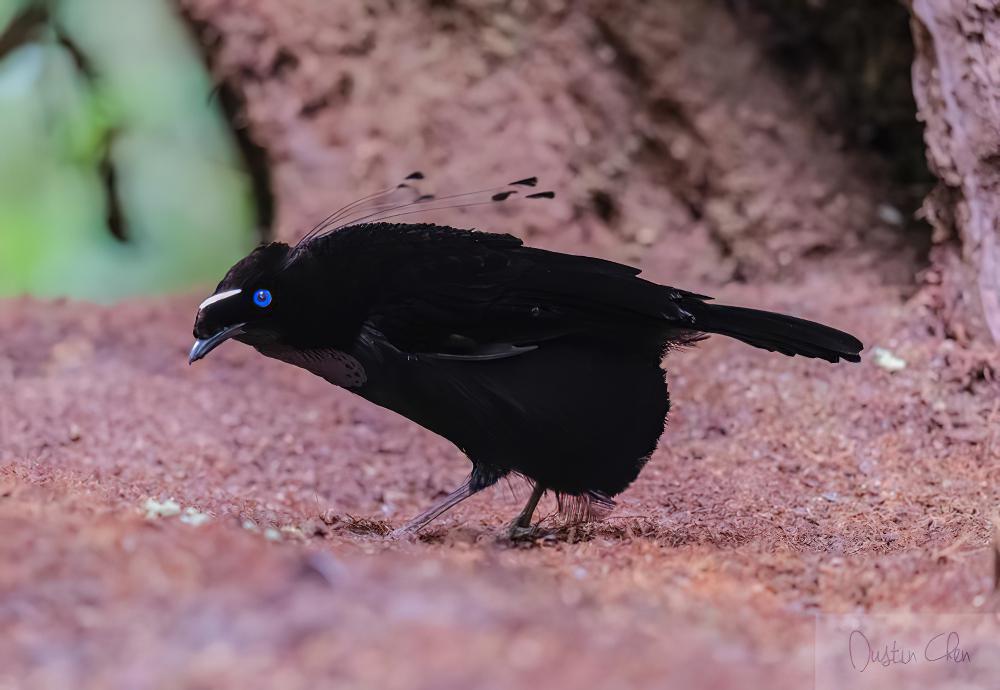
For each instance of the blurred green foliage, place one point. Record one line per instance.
(105, 109)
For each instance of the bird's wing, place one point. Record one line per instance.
(458, 294)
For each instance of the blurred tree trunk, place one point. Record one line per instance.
(956, 80)
(653, 120)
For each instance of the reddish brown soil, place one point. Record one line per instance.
(783, 487)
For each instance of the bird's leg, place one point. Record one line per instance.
(521, 527)
(450, 501)
(524, 518)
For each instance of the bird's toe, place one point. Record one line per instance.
(520, 533)
(401, 534)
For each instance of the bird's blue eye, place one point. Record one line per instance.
(262, 298)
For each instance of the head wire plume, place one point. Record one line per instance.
(380, 205)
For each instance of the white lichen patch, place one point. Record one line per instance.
(194, 517)
(170, 508)
(156, 509)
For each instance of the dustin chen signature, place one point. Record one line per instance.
(941, 647)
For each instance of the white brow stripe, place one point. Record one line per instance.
(219, 297)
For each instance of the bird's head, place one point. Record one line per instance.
(250, 303)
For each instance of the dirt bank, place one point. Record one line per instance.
(783, 487)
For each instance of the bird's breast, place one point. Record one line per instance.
(339, 368)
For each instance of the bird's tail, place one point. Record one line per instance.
(776, 332)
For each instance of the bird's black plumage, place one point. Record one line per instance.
(530, 361)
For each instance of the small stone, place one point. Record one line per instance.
(647, 236)
(887, 360)
(890, 214)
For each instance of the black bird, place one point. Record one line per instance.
(532, 362)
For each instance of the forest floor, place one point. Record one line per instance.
(783, 488)
(221, 526)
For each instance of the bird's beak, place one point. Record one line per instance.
(203, 346)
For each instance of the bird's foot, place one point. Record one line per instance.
(518, 532)
(413, 526)
(400, 533)
(521, 529)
